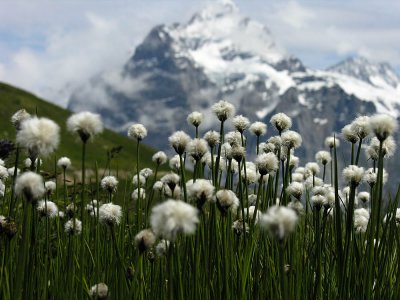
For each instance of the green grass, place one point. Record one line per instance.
(13, 99)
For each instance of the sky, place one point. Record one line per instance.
(51, 47)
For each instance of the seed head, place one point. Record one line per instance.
(382, 125)
(361, 219)
(332, 141)
(47, 209)
(40, 136)
(349, 135)
(196, 148)
(137, 131)
(85, 124)
(201, 191)
(223, 110)
(173, 217)
(227, 200)
(258, 128)
(64, 162)
(144, 240)
(212, 138)
(291, 139)
(73, 227)
(295, 189)
(109, 184)
(353, 174)
(281, 122)
(323, 157)
(110, 214)
(195, 118)
(280, 221)
(179, 141)
(30, 185)
(361, 127)
(267, 163)
(99, 291)
(160, 158)
(241, 123)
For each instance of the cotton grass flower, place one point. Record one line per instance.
(361, 127)
(159, 158)
(2, 189)
(40, 136)
(349, 135)
(162, 248)
(241, 123)
(291, 139)
(47, 209)
(249, 214)
(195, 118)
(280, 221)
(146, 173)
(267, 163)
(388, 148)
(136, 193)
(323, 157)
(332, 141)
(371, 177)
(28, 163)
(353, 174)
(175, 163)
(137, 131)
(171, 180)
(173, 217)
(363, 197)
(144, 240)
(312, 168)
(30, 185)
(238, 153)
(234, 138)
(281, 122)
(179, 141)
(64, 162)
(227, 201)
(19, 117)
(240, 226)
(223, 110)
(258, 128)
(99, 291)
(196, 148)
(50, 187)
(201, 191)
(297, 206)
(3, 173)
(109, 184)
(73, 227)
(85, 124)
(361, 219)
(382, 125)
(136, 180)
(295, 189)
(110, 214)
(212, 138)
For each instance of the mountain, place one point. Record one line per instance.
(219, 53)
(13, 99)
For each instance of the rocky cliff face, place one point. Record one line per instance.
(219, 53)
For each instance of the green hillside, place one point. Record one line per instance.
(13, 99)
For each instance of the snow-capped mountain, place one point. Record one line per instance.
(219, 53)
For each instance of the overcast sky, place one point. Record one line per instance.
(49, 47)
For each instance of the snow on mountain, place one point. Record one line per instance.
(219, 53)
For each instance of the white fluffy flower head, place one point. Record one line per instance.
(323, 157)
(332, 141)
(110, 214)
(99, 291)
(30, 185)
(258, 128)
(73, 228)
(353, 174)
(223, 110)
(64, 162)
(241, 123)
(196, 148)
(173, 217)
(85, 124)
(137, 131)
(291, 139)
(19, 117)
(40, 135)
(195, 118)
(281, 122)
(267, 163)
(212, 138)
(144, 240)
(109, 183)
(280, 221)
(47, 209)
(382, 125)
(160, 158)
(179, 141)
